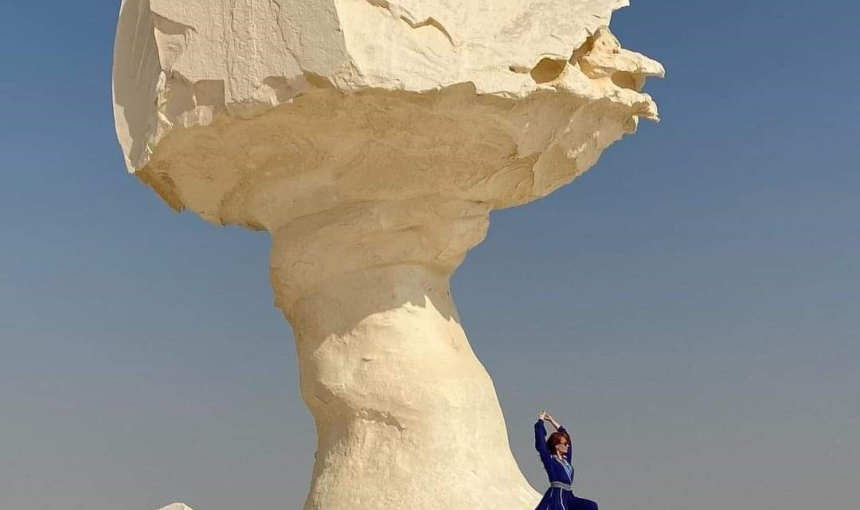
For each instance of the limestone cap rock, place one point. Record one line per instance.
(257, 112)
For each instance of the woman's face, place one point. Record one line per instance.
(561, 447)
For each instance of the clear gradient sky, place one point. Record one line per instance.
(690, 308)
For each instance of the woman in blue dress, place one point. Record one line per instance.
(555, 454)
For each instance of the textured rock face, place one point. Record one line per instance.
(372, 138)
(512, 79)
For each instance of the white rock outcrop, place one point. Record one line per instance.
(177, 506)
(371, 139)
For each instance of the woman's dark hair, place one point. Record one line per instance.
(554, 439)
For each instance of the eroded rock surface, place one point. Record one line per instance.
(372, 138)
(509, 80)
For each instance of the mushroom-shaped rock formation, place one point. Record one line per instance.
(371, 139)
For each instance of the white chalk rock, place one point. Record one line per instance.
(177, 506)
(372, 138)
(520, 86)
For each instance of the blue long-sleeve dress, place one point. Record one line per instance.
(559, 496)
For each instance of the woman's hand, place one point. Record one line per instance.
(545, 416)
(542, 415)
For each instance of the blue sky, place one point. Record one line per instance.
(690, 308)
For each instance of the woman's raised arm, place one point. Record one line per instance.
(540, 442)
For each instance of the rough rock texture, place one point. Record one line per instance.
(372, 138)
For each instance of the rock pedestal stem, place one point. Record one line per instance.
(406, 415)
(400, 401)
